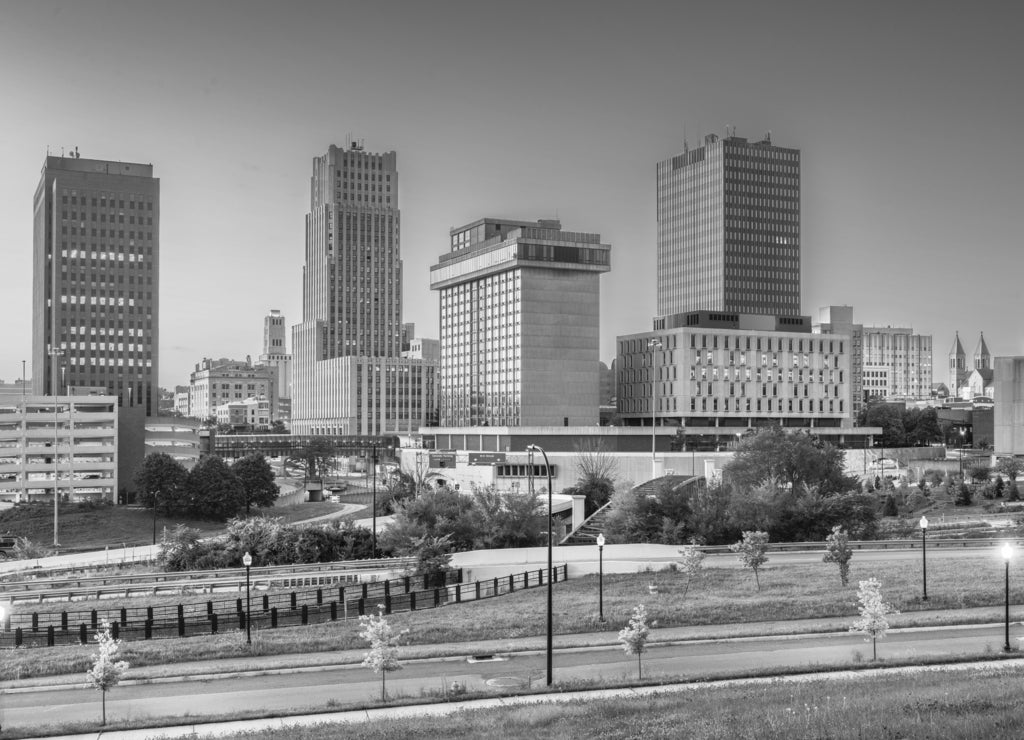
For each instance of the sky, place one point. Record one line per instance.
(908, 117)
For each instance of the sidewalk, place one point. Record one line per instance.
(459, 651)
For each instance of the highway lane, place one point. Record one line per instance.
(313, 690)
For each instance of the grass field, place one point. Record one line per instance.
(84, 527)
(976, 704)
(725, 599)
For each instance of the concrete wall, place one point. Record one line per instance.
(581, 560)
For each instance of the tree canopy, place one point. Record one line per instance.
(163, 479)
(257, 479)
(792, 459)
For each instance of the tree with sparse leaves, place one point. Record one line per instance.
(1011, 467)
(106, 671)
(635, 634)
(838, 551)
(382, 656)
(691, 562)
(752, 551)
(873, 612)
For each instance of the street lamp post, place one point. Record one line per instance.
(1007, 554)
(654, 345)
(375, 501)
(247, 561)
(56, 352)
(600, 576)
(550, 644)
(924, 558)
(963, 436)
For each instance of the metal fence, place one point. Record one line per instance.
(267, 611)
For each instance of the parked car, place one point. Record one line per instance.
(7, 544)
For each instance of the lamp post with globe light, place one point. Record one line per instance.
(550, 636)
(600, 577)
(247, 561)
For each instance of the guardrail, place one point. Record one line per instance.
(48, 629)
(302, 574)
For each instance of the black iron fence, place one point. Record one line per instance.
(267, 611)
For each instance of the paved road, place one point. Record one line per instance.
(316, 688)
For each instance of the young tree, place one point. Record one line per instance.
(999, 487)
(257, 479)
(1011, 467)
(1013, 493)
(634, 636)
(873, 612)
(979, 472)
(691, 562)
(382, 656)
(838, 551)
(964, 495)
(106, 671)
(889, 508)
(752, 551)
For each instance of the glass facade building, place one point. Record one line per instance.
(729, 229)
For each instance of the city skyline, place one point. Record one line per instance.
(909, 188)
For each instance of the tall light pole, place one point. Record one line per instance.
(924, 558)
(600, 576)
(55, 385)
(654, 345)
(247, 561)
(1007, 554)
(154, 516)
(550, 646)
(963, 437)
(374, 500)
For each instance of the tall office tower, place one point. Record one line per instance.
(96, 277)
(519, 324)
(276, 357)
(352, 279)
(729, 229)
(348, 376)
(902, 358)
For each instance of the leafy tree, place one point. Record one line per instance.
(838, 551)
(162, 481)
(889, 508)
(277, 427)
(433, 513)
(999, 487)
(106, 671)
(979, 472)
(709, 513)
(890, 418)
(1012, 492)
(691, 562)
(663, 516)
(508, 519)
(635, 634)
(26, 549)
(398, 488)
(382, 656)
(433, 556)
(752, 551)
(214, 492)
(793, 459)
(873, 612)
(257, 479)
(1011, 467)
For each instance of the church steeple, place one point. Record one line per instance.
(982, 358)
(957, 365)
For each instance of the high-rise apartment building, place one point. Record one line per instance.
(348, 376)
(729, 229)
(96, 277)
(520, 306)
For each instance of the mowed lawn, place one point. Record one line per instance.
(724, 599)
(950, 704)
(84, 527)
